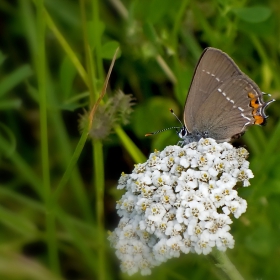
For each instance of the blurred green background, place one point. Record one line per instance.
(57, 190)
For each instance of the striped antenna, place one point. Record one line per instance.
(173, 127)
(156, 132)
(172, 112)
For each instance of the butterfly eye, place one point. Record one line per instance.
(182, 133)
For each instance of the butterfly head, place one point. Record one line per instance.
(183, 132)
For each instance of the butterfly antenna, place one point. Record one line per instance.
(156, 132)
(172, 112)
(173, 127)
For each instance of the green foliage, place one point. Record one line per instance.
(253, 14)
(57, 190)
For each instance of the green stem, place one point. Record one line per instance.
(98, 47)
(71, 165)
(73, 176)
(260, 49)
(224, 263)
(67, 48)
(95, 71)
(166, 69)
(99, 191)
(120, 8)
(89, 60)
(132, 149)
(41, 70)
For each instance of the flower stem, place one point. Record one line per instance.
(41, 70)
(224, 263)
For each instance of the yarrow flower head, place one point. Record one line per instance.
(181, 200)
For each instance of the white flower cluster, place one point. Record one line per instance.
(179, 201)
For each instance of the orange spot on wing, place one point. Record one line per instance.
(258, 120)
(251, 95)
(255, 103)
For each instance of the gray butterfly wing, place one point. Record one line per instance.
(226, 111)
(213, 68)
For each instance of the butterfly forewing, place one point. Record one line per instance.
(213, 68)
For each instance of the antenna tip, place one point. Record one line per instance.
(148, 134)
(171, 110)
